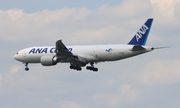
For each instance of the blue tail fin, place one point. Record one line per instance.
(141, 36)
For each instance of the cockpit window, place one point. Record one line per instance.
(17, 53)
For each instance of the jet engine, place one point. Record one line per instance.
(48, 60)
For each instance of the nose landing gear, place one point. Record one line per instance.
(26, 69)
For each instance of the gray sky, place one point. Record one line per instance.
(151, 80)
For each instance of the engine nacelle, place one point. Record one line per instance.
(49, 60)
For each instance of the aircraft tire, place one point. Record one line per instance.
(95, 69)
(71, 67)
(78, 68)
(26, 69)
(91, 68)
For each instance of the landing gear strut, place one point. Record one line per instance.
(26, 69)
(92, 68)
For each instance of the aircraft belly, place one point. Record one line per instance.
(133, 53)
(33, 58)
(109, 57)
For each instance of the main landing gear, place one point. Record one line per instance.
(75, 67)
(78, 68)
(26, 69)
(92, 68)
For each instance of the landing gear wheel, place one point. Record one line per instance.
(79, 69)
(75, 67)
(88, 67)
(95, 69)
(71, 67)
(26, 69)
(92, 68)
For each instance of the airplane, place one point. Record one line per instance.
(81, 55)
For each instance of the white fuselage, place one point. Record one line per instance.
(80, 55)
(92, 53)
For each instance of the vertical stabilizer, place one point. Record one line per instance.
(141, 36)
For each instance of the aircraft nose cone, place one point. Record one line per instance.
(15, 56)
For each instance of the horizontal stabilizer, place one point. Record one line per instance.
(137, 48)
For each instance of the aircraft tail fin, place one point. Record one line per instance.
(141, 36)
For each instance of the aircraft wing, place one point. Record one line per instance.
(61, 49)
(64, 54)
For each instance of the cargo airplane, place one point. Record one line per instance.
(79, 56)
